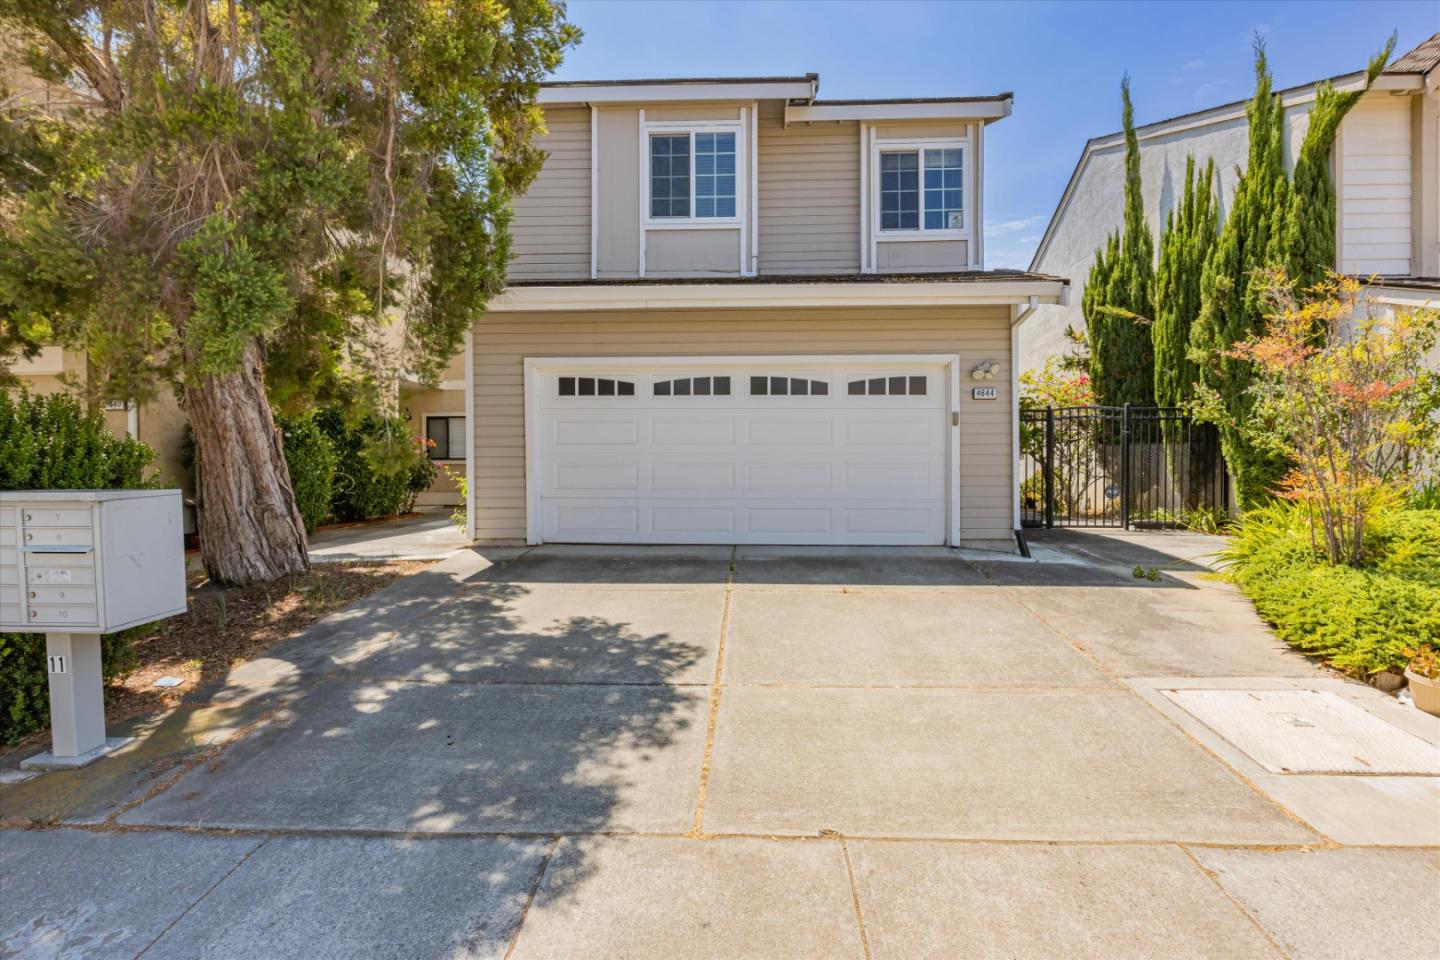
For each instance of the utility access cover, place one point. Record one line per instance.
(1309, 731)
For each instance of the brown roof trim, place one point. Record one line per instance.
(654, 82)
(988, 98)
(965, 276)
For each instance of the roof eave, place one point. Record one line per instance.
(985, 109)
(680, 91)
(689, 296)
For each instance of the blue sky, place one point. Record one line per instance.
(1063, 61)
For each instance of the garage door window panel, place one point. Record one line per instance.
(594, 387)
(767, 386)
(888, 386)
(692, 387)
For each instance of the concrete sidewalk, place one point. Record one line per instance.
(738, 752)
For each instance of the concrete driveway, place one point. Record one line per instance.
(740, 752)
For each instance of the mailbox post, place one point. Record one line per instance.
(78, 564)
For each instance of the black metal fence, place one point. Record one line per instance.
(1119, 467)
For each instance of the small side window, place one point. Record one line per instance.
(594, 387)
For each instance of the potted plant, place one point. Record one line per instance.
(1424, 676)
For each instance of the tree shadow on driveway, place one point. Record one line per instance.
(497, 712)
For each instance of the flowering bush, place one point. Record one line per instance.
(1345, 396)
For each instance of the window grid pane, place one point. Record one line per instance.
(943, 190)
(714, 175)
(899, 191)
(670, 175)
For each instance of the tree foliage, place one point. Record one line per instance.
(1117, 302)
(1309, 238)
(1270, 225)
(330, 178)
(305, 197)
(1190, 232)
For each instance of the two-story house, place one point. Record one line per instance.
(738, 313)
(1385, 165)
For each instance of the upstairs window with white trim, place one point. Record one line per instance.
(694, 176)
(921, 189)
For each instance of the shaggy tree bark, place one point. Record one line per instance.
(250, 529)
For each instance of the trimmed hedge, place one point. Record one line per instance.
(311, 462)
(55, 443)
(1358, 619)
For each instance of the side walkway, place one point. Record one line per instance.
(429, 534)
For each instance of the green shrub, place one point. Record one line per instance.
(377, 465)
(1360, 619)
(422, 474)
(24, 689)
(311, 462)
(55, 443)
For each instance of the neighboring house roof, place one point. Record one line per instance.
(1412, 63)
(1422, 59)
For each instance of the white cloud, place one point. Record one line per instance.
(1002, 227)
(1192, 66)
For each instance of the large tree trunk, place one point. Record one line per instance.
(250, 528)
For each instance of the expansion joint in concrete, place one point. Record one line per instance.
(1215, 880)
(697, 829)
(534, 892)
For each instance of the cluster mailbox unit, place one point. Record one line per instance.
(75, 564)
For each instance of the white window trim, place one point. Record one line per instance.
(692, 127)
(879, 146)
(441, 414)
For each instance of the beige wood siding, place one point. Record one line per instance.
(809, 195)
(918, 256)
(617, 238)
(503, 341)
(551, 226)
(1375, 192)
(692, 253)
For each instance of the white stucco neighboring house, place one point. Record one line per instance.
(1385, 166)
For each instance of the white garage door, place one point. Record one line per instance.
(764, 450)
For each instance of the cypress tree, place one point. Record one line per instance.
(1310, 220)
(1185, 245)
(1271, 224)
(1117, 301)
(1230, 308)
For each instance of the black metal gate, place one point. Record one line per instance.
(1119, 467)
